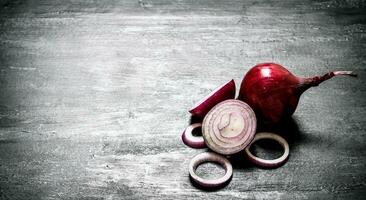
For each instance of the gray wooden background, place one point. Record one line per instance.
(94, 95)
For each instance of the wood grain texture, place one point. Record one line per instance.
(95, 94)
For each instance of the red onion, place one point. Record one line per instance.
(222, 93)
(229, 127)
(273, 92)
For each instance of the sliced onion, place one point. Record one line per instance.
(229, 127)
(224, 92)
(210, 157)
(193, 141)
(269, 163)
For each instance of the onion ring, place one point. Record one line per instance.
(268, 163)
(210, 157)
(196, 142)
(229, 127)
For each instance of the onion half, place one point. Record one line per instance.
(222, 93)
(229, 127)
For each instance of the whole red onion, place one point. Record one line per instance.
(273, 92)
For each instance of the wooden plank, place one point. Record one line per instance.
(94, 96)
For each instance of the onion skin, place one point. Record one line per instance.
(222, 93)
(273, 92)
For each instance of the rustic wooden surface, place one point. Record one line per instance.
(94, 96)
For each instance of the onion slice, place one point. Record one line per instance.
(210, 157)
(196, 142)
(229, 127)
(269, 163)
(222, 93)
